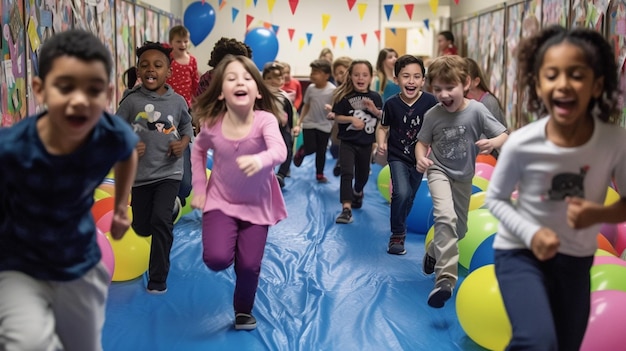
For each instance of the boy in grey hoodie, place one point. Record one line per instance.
(161, 119)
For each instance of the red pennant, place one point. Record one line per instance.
(351, 4)
(456, 2)
(291, 31)
(409, 10)
(364, 37)
(293, 4)
(377, 33)
(249, 20)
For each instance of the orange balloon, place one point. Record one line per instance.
(101, 207)
(488, 159)
(605, 244)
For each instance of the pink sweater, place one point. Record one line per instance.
(256, 199)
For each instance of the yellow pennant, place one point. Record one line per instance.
(270, 5)
(342, 44)
(361, 8)
(325, 19)
(396, 8)
(324, 43)
(301, 43)
(434, 4)
(248, 3)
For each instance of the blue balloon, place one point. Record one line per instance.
(421, 217)
(483, 254)
(199, 19)
(264, 45)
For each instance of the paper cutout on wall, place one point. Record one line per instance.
(351, 4)
(275, 28)
(342, 45)
(427, 24)
(309, 36)
(249, 20)
(219, 2)
(267, 25)
(349, 39)
(293, 4)
(409, 10)
(434, 4)
(255, 2)
(396, 8)
(248, 3)
(364, 37)
(377, 34)
(325, 19)
(270, 5)
(333, 40)
(301, 43)
(324, 43)
(388, 9)
(456, 2)
(393, 30)
(235, 12)
(291, 31)
(221, 6)
(361, 8)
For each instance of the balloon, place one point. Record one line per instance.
(598, 260)
(488, 159)
(107, 252)
(132, 256)
(484, 170)
(101, 207)
(383, 181)
(611, 197)
(620, 240)
(199, 19)
(605, 330)
(480, 182)
(483, 255)
(480, 309)
(477, 200)
(480, 225)
(421, 216)
(264, 45)
(608, 277)
(605, 244)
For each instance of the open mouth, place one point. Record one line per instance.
(149, 80)
(77, 121)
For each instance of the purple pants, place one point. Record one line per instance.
(226, 240)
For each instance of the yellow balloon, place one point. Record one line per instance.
(480, 309)
(132, 256)
(477, 200)
(611, 197)
(480, 182)
(429, 237)
(100, 194)
(600, 252)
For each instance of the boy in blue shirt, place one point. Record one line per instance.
(53, 286)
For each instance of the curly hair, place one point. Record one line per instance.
(150, 45)
(228, 46)
(598, 54)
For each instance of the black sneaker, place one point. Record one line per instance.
(244, 321)
(156, 288)
(428, 264)
(281, 180)
(440, 294)
(337, 170)
(345, 216)
(298, 157)
(357, 200)
(396, 244)
(177, 207)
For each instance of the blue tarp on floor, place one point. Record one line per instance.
(323, 286)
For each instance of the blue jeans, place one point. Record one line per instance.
(405, 180)
(547, 302)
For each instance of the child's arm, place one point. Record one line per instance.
(275, 154)
(486, 146)
(382, 133)
(198, 157)
(356, 123)
(423, 162)
(582, 213)
(124, 177)
(297, 129)
(184, 129)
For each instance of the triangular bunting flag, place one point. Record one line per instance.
(222, 5)
(388, 9)
(267, 25)
(255, 1)
(421, 30)
(270, 5)
(393, 30)
(324, 43)
(409, 10)
(351, 4)
(249, 20)
(309, 36)
(293, 4)
(342, 44)
(291, 31)
(219, 2)
(301, 43)
(426, 24)
(325, 19)
(361, 8)
(333, 40)
(434, 4)
(396, 8)
(456, 2)
(377, 34)
(248, 3)
(275, 28)
(349, 39)
(364, 37)
(235, 12)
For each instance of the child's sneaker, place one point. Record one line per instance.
(428, 264)
(156, 288)
(345, 216)
(281, 180)
(396, 244)
(298, 157)
(177, 208)
(321, 179)
(357, 200)
(337, 170)
(244, 321)
(440, 294)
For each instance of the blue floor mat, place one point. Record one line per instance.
(323, 286)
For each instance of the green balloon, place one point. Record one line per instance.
(608, 277)
(384, 179)
(480, 225)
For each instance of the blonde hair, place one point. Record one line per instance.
(448, 69)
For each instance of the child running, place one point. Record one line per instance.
(356, 108)
(542, 264)
(396, 137)
(452, 130)
(242, 198)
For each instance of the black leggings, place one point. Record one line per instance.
(354, 160)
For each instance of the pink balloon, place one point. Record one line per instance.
(484, 170)
(606, 321)
(597, 260)
(104, 223)
(620, 238)
(107, 252)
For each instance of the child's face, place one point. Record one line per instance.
(274, 80)
(318, 77)
(411, 81)
(153, 69)
(239, 89)
(361, 78)
(442, 42)
(390, 60)
(75, 92)
(287, 74)
(179, 44)
(566, 83)
(450, 94)
(339, 73)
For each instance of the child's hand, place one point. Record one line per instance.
(423, 164)
(249, 164)
(358, 124)
(580, 213)
(329, 112)
(198, 201)
(485, 146)
(141, 148)
(176, 148)
(545, 244)
(295, 131)
(381, 149)
(371, 107)
(119, 224)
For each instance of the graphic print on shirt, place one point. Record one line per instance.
(453, 146)
(151, 120)
(410, 134)
(359, 111)
(568, 184)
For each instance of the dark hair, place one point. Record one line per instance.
(448, 35)
(208, 107)
(380, 69)
(151, 45)
(322, 65)
(228, 46)
(598, 54)
(130, 77)
(179, 30)
(75, 43)
(406, 60)
(347, 87)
